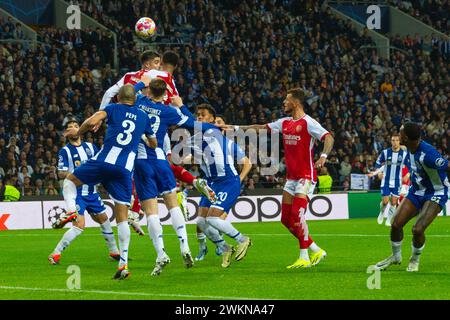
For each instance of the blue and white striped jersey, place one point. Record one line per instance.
(126, 125)
(428, 171)
(161, 118)
(71, 157)
(217, 154)
(393, 165)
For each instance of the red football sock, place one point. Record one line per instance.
(299, 206)
(286, 216)
(135, 206)
(182, 174)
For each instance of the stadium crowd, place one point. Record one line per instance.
(432, 12)
(242, 61)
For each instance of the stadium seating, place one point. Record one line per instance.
(243, 72)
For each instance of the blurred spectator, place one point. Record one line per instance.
(325, 181)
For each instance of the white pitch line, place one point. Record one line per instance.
(250, 234)
(126, 293)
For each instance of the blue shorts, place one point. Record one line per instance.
(418, 201)
(386, 191)
(115, 179)
(153, 178)
(92, 203)
(227, 192)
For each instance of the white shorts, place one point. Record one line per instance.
(302, 186)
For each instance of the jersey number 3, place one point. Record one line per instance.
(125, 137)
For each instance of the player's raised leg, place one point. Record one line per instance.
(428, 213)
(70, 184)
(69, 236)
(405, 212)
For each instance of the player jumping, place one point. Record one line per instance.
(201, 236)
(114, 163)
(72, 156)
(393, 159)
(151, 63)
(426, 197)
(217, 155)
(300, 132)
(153, 175)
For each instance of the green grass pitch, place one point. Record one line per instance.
(352, 245)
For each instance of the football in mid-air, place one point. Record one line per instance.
(145, 28)
(54, 214)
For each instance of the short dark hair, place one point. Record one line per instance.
(412, 130)
(210, 108)
(298, 94)
(71, 120)
(157, 87)
(220, 116)
(148, 55)
(170, 57)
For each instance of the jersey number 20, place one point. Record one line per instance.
(125, 137)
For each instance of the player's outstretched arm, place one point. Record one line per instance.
(376, 172)
(247, 166)
(111, 93)
(255, 127)
(88, 125)
(328, 145)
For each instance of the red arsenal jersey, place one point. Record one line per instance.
(405, 171)
(168, 79)
(298, 141)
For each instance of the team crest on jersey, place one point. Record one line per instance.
(88, 152)
(298, 128)
(439, 162)
(400, 158)
(77, 163)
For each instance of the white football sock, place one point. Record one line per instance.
(201, 237)
(155, 232)
(124, 241)
(226, 227)
(211, 232)
(108, 234)
(392, 211)
(416, 252)
(67, 239)
(304, 254)
(179, 225)
(396, 248)
(382, 207)
(70, 195)
(314, 247)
